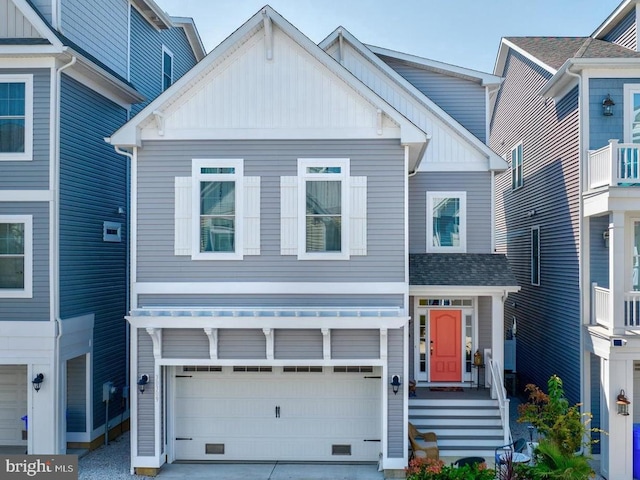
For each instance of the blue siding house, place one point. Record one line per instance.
(568, 218)
(305, 223)
(68, 78)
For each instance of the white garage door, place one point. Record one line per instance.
(13, 403)
(278, 415)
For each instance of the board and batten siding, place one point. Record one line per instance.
(477, 185)
(146, 56)
(548, 315)
(101, 28)
(93, 273)
(381, 161)
(13, 24)
(37, 307)
(34, 174)
(146, 414)
(396, 440)
(624, 33)
(464, 100)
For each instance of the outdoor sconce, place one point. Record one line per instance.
(607, 106)
(623, 404)
(37, 382)
(395, 384)
(605, 237)
(142, 382)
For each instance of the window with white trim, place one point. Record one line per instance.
(323, 211)
(167, 68)
(446, 222)
(535, 255)
(16, 256)
(217, 211)
(517, 179)
(16, 117)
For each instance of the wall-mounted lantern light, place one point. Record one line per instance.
(623, 404)
(395, 383)
(142, 382)
(607, 106)
(605, 237)
(37, 381)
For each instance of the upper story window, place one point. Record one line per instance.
(447, 222)
(535, 256)
(517, 179)
(167, 68)
(323, 211)
(16, 256)
(631, 113)
(16, 117)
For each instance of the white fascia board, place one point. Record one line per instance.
(153, 13)
(29, 50)
(26, 195)
(460, 291)
(485, 79)
(39, 61)
(178, 362)
(617, 15)
(270, 288)
(528, 56)
(32, 16)
(193, 36)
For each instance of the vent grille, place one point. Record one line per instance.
(302, 369)
(214, 448)
(340, 449)
(353, 369)
(201, 368)
(252, 369)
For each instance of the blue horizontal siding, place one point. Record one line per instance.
(601, 128)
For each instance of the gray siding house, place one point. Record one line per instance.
(274, 188)
(64, 212)
(565, 118)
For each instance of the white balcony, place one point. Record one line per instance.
(629, 321)
(616, 164)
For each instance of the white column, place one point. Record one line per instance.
(616, 272)
(620, 434)
(497, 334)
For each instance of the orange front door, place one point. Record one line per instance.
(446, 346)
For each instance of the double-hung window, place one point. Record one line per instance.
(517, 179)
(16, 256)
(447, 222)
(167, 68)
(535, 256)
(16, 117)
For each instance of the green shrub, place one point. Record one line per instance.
(437, 470)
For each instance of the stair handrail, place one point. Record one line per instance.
(500, 393)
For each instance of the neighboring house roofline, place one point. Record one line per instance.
(193, 36)
(618, 14)
(129, 134)
(503, 52)
(152, 11)
(496, 162)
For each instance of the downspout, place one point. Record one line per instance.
(55, 260)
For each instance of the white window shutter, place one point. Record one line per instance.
(251, 215)
(358, 216)
(288, 215)
(182, 216)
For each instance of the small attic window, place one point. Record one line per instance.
(112, 232)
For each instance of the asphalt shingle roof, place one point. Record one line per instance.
(461, 269)
(554, 51)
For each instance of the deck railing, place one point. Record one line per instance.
(497, 389)
(616, 164)
(600, 309)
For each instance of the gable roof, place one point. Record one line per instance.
(129, 134)
(494, 160)
(625, 7)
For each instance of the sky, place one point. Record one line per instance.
(465, 33)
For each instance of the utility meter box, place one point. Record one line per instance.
(108, 391)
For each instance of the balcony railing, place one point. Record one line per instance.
(616, 164)
(600, 310)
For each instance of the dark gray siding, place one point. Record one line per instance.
(247, 301)
(624, 34)
(396, 440)
(380, 161)
(599, 253)
(478, 188)
(33, 174)
(37, 307)
(146, 436)
(242, 344)
(594, 408)
(185, 343)
(76, 394)
(93, 184)
(548, 315)
(352, 344)
(463, 99)
(146, 56)
(292, 344)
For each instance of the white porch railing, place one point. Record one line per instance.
(616, 164)
(600, 309)
(498, 390)
(632, 310)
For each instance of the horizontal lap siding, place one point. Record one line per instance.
(185, 343)
(380, 161)
(37, 307)
(485, 323)
(395, 420)
(146, 428)
(548, 316)
(624, 34)
(354, 344)
(33, 174)
(463, 99)
(293, 344)
(599, 252)
(478, 188)
(243, 344)
(93, 184)
(44, 7)
(603, 128)
(272, 301)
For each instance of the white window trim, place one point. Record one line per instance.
(343, 176)
(519, 183)
(27, 291)
(462, 248)
(27, 155)
(170, 53)
(238, 178)
(629, 90)
(535, 229)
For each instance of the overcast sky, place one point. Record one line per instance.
(460, 32)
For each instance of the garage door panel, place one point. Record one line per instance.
(13, 403)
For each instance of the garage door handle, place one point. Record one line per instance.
(184, 438)
(277, 412)
(371, 440)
